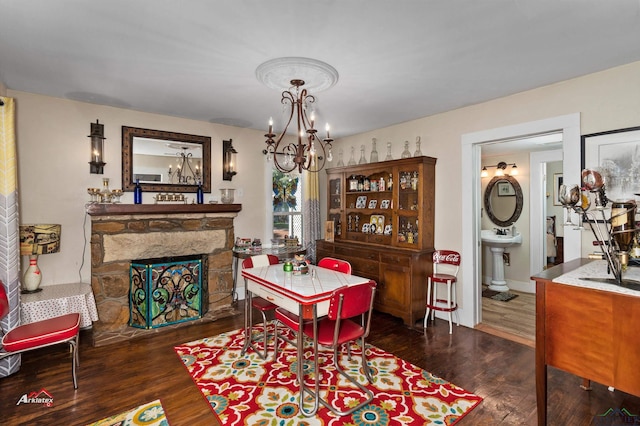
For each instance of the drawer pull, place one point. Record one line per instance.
(270, 299)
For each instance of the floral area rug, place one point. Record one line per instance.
(246, 390)
(149, 414)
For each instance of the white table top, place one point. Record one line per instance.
(306, 289)
(598, 269)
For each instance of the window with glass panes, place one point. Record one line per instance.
(287, 205)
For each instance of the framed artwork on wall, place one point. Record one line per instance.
(557, 181)
(616, 155)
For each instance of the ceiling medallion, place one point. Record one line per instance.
(277, 73)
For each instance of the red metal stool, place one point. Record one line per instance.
(446, 264)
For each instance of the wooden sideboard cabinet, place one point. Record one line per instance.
(386, 233)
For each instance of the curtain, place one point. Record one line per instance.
(311, 213)
(9, 237)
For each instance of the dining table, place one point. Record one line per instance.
(306, 294)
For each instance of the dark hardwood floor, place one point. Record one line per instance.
(115, 378)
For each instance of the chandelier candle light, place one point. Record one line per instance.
(185, 173)
(309, 153)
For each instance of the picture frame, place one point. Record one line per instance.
(505, 189)
(329, 227)
(614, 153)
(361, 202)
(384, 204)
(557, 181)
(373, 203)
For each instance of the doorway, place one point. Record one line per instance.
(569, 126)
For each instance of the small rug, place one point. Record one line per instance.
(149, 414)
(246, 390)
(503, 296)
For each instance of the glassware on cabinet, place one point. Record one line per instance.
(352, 159)
(340, 162)
(406, 153)
(105, 194)
(388, 157)
(418, 152)
(373, 158)
(362, 159)
(93, 192)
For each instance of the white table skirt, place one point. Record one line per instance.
(60, 299)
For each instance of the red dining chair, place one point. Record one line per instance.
(261, 305)
(39, 334)
(335, 264)
(449, 260)
(339, 328)
(292, 320)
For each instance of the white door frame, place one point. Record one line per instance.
(569, 125)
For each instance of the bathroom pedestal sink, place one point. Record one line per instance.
(497, 244)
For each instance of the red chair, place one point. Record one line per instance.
(262, 305)
(338, 328)
(292, 320)
(449, 260)
(335, 264)
(36, 335)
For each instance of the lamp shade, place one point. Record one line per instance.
(39, 239)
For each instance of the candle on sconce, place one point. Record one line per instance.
(96, 156)
(313, 119)
(327, 129)
(270, 125)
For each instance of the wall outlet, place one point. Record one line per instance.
(506, 257)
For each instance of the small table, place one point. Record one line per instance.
(280, 252)
(60, 299)
(308, 295)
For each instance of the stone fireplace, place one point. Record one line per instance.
(122, 232)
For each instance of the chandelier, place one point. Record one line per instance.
(309, 152)
(185, 173)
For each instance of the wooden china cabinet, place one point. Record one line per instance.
(383, 216)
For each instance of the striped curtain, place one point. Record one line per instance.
(311, 213)
(9, 239)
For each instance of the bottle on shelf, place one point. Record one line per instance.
(390, 183)
(418, 152)
(362, 159)
(200, 194)
(373, 157)
(137, 193)
(406, 153)
(388, 157)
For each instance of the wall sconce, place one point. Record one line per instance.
(96, 165)
(228, 160)
(500, 168)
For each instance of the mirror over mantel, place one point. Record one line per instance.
(157, 159)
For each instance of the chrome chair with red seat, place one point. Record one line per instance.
(446, 264)
(261, 305)
(39, 334)
(292, 320)
(339, 328)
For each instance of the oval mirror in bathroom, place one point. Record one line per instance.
(503, 200)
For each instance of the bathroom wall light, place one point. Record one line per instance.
(228, 160)
(500, 169)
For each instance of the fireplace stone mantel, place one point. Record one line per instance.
(121, 233)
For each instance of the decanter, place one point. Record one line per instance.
(352, 160)
(406, 153)
(362, 159)
(340, 162)
(418, 152)
(373, 158)
(388, 157)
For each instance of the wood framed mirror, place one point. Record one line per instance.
(165, 161)
(503, 200)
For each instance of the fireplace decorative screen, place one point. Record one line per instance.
(166, 291)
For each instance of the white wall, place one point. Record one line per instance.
(53, 171)
(53, 151)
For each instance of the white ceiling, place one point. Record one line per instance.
(397, 60)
